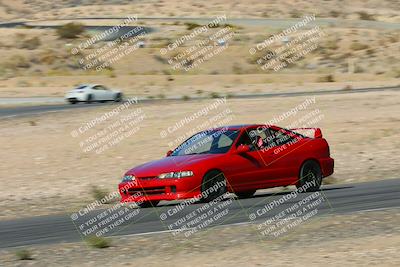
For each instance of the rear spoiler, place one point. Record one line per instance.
(311, 132)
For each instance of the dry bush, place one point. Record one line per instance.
(98, 242)
(358, 46)
(23, 254)
(327, 78)
(16, 62)
(70, 30)
(30, 44)
(365, 16)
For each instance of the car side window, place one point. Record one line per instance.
(244, 139)
(254, 138)
(99, 87)
(224, 141)
(278, 138)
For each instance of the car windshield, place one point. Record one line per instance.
(207, 142)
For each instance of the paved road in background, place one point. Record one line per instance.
(338, 199)
(7, 112)
(272, 23)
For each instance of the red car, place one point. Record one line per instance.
(238, 159)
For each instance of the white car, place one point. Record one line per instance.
(90, 93)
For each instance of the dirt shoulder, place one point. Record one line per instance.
(359, 239)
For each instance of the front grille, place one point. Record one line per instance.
(147, 191)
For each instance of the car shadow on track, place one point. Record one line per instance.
(260, 195)
(290, 191)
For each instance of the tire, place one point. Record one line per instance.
(148, 204)
(310, 171)
(118, 97)
(246, 194)
(210, 180)
(73, 102)
(89, 99)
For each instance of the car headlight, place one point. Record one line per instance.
(128, 178)
(175, 174)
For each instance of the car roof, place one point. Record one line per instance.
(239, 126)
(89, 84)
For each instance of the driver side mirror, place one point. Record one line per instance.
(242, 149)
(169, 153)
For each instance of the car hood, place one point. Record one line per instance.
(170, 164)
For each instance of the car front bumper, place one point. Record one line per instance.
(155, 189)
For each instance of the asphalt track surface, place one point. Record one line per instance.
(337, 199)
(10, 112)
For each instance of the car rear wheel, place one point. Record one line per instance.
(310, 176)
(89, 99)
(118, 97)
(246, 194)
(72, 101)
(148, 204)
(213, 186)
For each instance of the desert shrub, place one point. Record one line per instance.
(185, 97)
(359, 69)
(160, 59)
(358, 46)
(237, 69)
(295, 14)
(396, 73)
(365, 16)
(23, 254)
(191, 25)
(32, 123)
(31, 43)
(230, 95)
(47, 57)
(99, 193)
(23, 83)
(327, 78)
(98, 242)
(370, 51)
(331, 44)
(17, 61)
(70, 30)
(214, 95)
(334, 13)
(214, 72)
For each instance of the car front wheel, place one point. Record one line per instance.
(213, 186)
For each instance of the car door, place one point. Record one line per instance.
(281, 156)
(245, 170)
(108, 94)
(100, 93)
